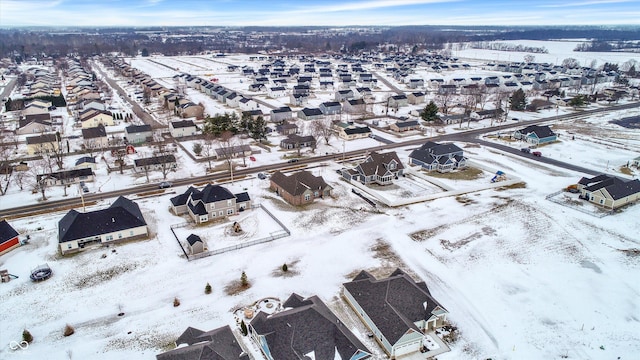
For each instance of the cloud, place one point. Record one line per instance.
(367, 5)
(585, 3)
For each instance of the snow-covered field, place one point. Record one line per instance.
(522, 277)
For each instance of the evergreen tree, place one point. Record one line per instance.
(430, 112)
(207, 289)
(518, 100)
(197, 148)
(632, 71)
(243, 279)
(26, 336)
(243, 328)
(144, 52)
(258, 128)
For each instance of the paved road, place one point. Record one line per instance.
(468, 136)
(139, 111)
(387, 83)
(8, 88)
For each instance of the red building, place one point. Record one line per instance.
(8, 237)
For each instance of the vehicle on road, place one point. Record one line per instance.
(525, 150)
(292, 161)
(165, 185)
(537, 153)
(262, 176)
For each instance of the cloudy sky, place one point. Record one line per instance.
(317, 12)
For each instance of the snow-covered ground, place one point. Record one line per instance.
(522, 277)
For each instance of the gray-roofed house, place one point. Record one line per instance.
(299, 188)
(397, 101)
(397, 310)
(609, 191)
(287, 128)
(122, 220)
(351, 132)
(161, 162)
(294, 141)
(195, 344)
(281, 114)
(182, 128)
(401, 126)
(210, 203)
(331, 107)
(137, 134)
(441, 157)
(66, 177)
(310, 114)
(536, 134)
(95, 137)
(43, 143)
(34, 124)
(355, 106)
(305, 329)
(377, 168)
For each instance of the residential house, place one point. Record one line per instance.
(294, 141)
(487, 114)
(8, 237)
(246, 104)
(331, 108)
(362, 92)
(541, 104)
(287, 128)
(342, 95)
(441, 157)
(305, 329)
(67, 177)
(233, 151)
(88, 162)
(355, 106)
(161, 162)
(217, 344)
(182, 128)
(95, 137)
(34, 124)
(347, 131)
(281, 114)
(210, 203)
(42, 144)
(190, 110)
(138, 134)
(416, 98)
(90, 118)
(416, 83)
(447, 89)
(536, 134)
(609, 191)
(310, 114)
(397, 101)
(407, 125)
(122, 220)
(299, 188)
(397, 310)
(277, 92)
(377, 168)
(298, 99)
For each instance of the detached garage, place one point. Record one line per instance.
(8, 237)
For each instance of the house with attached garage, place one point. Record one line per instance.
(122, 220)
(66, 177)
(305, 329)
(161, 162)
(441, 157)
(348, 131)
(310, 114)
(536, 134)
(210, 203)
(397, 310)
(609, 191)
(407, 125)
(8, 237)
(377, 168)
(42, 144)
(294, 141)
(91, 118)
(217, 344)
(299, 188)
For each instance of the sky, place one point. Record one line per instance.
(316, 12)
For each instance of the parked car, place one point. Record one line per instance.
(262, 176)
(525, 150)
(537, 153)
(292, 161)
(165, 185)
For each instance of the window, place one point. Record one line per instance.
(204, 218)
(69, 246)
(229, 202)
(307, 197)
(221, 213)
(131, 233)
(119, 235)
(229, 211)
(108, 238)
(316, 194)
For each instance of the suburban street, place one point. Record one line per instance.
(470, 136)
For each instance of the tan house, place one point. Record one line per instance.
(609, 191)
(42, 144)
(300, 188)
(91, 118)
(95, 137)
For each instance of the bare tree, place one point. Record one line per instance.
(207, 149)
(444, 101)
(321, 128)
(227, 142)
(501, 98)
(5, 165)
(19, 178)
(167, 161)
(38, 171)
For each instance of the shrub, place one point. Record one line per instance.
(68, 330)
(207, 289)
(176, 302)
(285, 268)
(26, 336)
(243, 279)
(243, 328)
